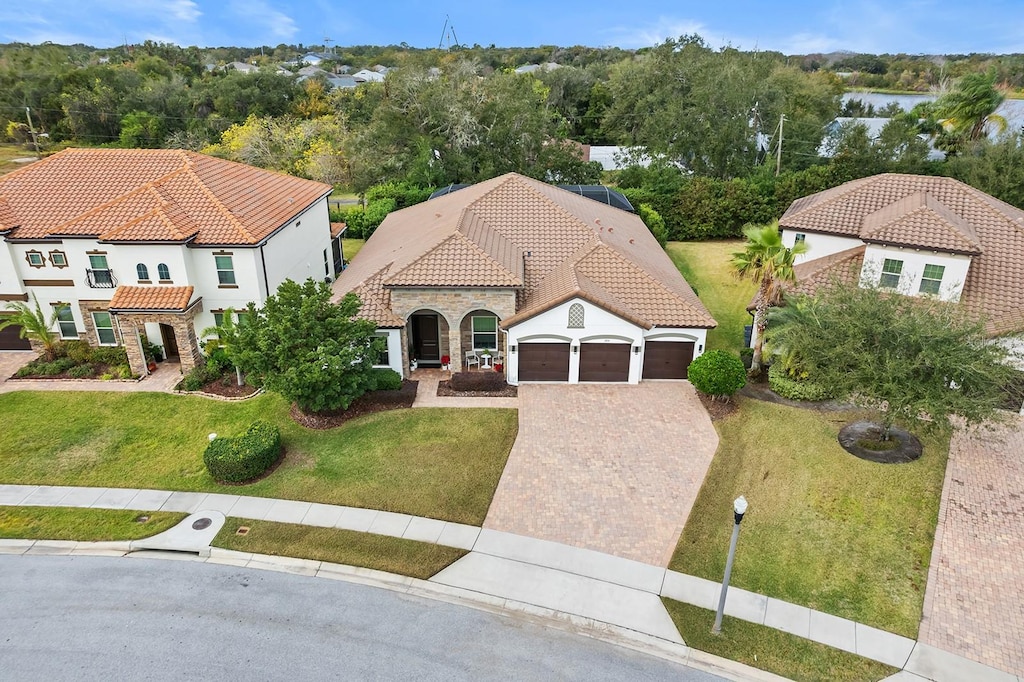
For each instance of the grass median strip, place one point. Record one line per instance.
(367, 550)
(768, 649)
(82, 525)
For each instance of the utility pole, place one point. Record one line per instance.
(31, 129)
(778, 154)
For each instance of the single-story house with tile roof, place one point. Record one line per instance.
(552, 285)
(136, 245)
(918, 235)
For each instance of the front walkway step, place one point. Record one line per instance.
(193, 535)
(570, 593)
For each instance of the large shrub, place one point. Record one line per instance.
(717, 373)
(654, 222)
(795, 387)
(244, 457)
(382, 379)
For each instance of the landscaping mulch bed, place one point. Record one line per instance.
(445, 390)
(902, 446)
(717, 409)
(228, 389)
(760, 391)
(369, 403)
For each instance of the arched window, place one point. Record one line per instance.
(576, 316)
(143, 271)
(163, 272)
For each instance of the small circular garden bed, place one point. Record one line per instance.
(864, 439)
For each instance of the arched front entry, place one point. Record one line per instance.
(427, 331)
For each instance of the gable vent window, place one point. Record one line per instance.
(576, 316)
(931, 280)
(163, 272)
(891, 270)
(143, 272)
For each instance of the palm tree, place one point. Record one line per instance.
(34, 325)
(769, 263)
(227, 338)
(967, 111)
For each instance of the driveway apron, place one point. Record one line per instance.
(608, 467)
(973, 606)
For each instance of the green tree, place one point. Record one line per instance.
(35, 325)
(969, 110)
(313, 352)
(769, 263)
(226, 338)
(906, 357)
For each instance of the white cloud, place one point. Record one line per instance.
(184, 10)
(259, 12)
(656, 32)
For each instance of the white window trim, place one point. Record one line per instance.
(897, 275)
(473, 332)
(60, 328)
(220, 282)
(97, 327)
(938, 282)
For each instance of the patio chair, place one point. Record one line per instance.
(472, 359)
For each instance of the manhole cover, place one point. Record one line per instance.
(202, 524)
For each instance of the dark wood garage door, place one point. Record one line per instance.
(667, 359)
(10, 339)
(604, 361)
(543, 362)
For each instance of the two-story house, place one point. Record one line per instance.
(137, 245)
(918, 235)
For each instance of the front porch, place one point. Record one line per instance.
(158, 316)
(430, 340)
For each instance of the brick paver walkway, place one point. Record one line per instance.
(974, 605)
(613, 468)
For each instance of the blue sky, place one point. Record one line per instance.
(793, 27)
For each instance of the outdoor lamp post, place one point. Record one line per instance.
(739, 508)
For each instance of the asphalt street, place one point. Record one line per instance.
(99, 618)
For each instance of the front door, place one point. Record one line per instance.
(170, 343)
(425, 339)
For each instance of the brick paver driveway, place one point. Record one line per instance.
(13, 360)
(614, 468)
(974, 605)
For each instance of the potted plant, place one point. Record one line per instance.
(446, 361)
(498, 367)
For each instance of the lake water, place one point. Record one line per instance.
(1012, 109)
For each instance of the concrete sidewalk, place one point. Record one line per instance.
(577, 586)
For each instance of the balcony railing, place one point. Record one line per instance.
(100, 279)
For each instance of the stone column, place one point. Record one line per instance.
(136, 360)
(455, 347)
(188, 345)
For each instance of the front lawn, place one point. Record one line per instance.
(441, 463)
(824, 529)
(705, 265)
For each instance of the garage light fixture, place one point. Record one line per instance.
(575, 350)
(512, 348)
(636, 350)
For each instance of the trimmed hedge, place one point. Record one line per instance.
(246, 457)
(793, 388)
(477, 381)
(382, 379)
(717, 373)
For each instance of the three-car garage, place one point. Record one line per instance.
(603, 361)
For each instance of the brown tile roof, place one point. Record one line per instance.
(337, 228)
(516, 232)
(128, 195)
(150, 298)
(937, 214)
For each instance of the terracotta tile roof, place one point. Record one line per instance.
(337, 228)
(936, 214)
(151, 298)
(515, 232)
(127, 195)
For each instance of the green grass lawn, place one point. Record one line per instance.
(778, 652)
(380, 552)
(84, 525)
(442, 463)
(825, 529)
(351, 247)
(705, 265)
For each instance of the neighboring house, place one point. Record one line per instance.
(918, 235)
(242, 66)
(557, 286)
(874, 125)
(367, 76)
(130, 245)
(614, 157)
(534, 68)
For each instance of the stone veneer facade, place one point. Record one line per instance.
(133, 326)
(453, 304)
